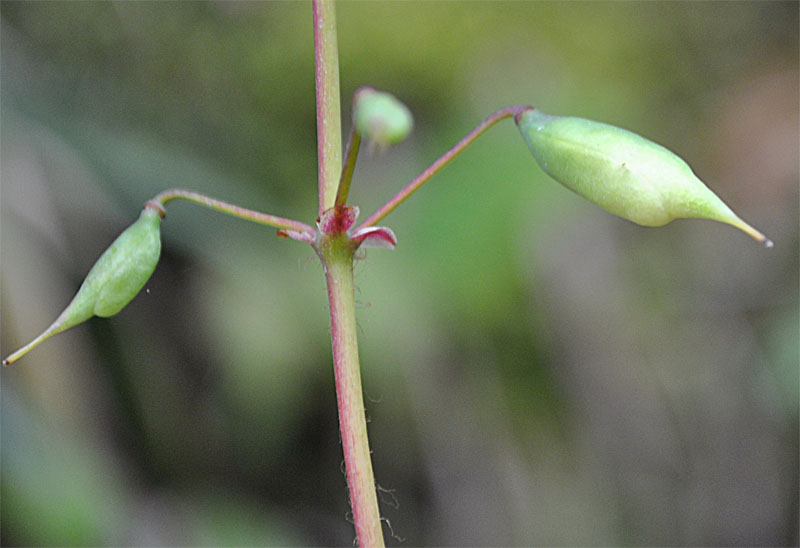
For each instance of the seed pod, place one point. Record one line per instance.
(622, 172)
(114, 280)
(380, 117)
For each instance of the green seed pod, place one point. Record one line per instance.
(380, 117)
(622, 172)
(114, 280)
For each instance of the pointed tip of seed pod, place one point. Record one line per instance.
(18, 354)
(752, 232)
(55, 328)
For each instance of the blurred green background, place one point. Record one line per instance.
(538, 372)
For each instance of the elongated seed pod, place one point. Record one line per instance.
(114, 280)
(622, 172)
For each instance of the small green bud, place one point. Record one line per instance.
(114, 280)
(622, 172)
(380, 117)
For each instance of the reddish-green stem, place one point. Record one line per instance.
(443, 160)
(329, 119)
(336, 253)
(337, 256)
(231, 209)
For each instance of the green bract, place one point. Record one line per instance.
(114, 280)
(380, 117)
(622, 172)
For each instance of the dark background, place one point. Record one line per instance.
(538, 372)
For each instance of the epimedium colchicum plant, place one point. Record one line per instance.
(622, 172)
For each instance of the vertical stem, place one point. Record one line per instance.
(329, 118)
(337, 258)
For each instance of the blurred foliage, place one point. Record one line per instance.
(537, 371)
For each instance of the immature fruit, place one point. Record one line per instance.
(380, 117)
(114, 280)
(622, 172)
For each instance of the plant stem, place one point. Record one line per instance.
(336, 253)
(329, 119)
(353, 144)
(443, 160)
(337, 256)
(230, 209)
